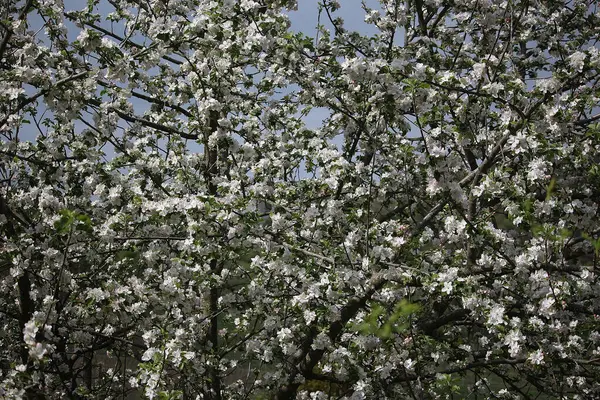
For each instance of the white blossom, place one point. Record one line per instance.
(536, 357)
(496, 315)
(577, 60)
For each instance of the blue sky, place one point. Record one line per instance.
(305, 18)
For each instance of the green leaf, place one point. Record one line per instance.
(385, 332)
(550, 188)
(405, 309)
(126, 254)
(65, 221)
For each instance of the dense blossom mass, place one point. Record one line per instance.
(171, 228)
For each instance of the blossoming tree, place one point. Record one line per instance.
(171, 228)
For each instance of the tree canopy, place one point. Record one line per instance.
(171, 227)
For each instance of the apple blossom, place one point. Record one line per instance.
(174, 224)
